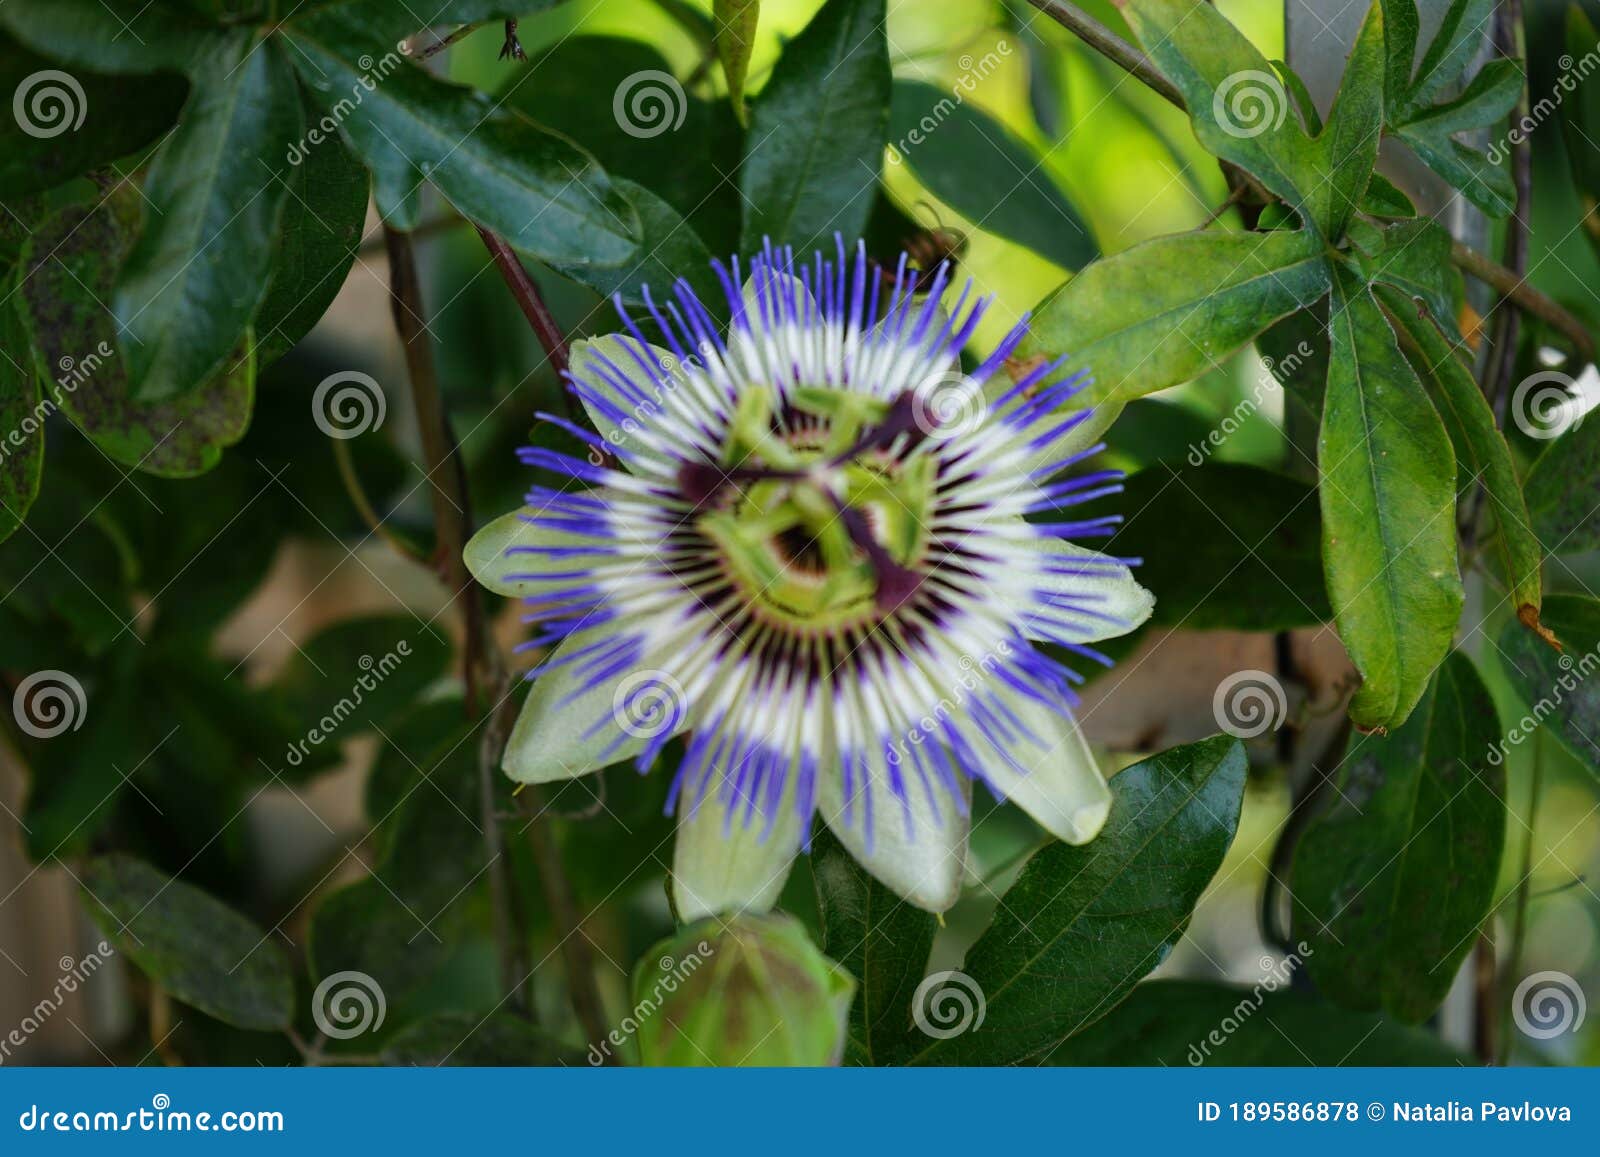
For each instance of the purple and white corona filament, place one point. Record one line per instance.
(828, 557)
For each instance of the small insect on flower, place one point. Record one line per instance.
(830, 557)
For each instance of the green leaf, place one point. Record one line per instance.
(22, 443)
(316, 245)
(471, 1039)
(540, 192)
(111, 36)
(1563, 491)
(817, 132)
(882, 940)
(1239, 108)
(736, 22)
(69, 267)
(1384, 199)
(1082, 925)
(669, 250)
(575, 87)
(1251, 558)
(195, 947)
(1176, 1023)
(1481, 449)
(361, 672)
(751, 991)
(75, 122)
(1388, 513)
(1392, 881)
(1558, 689)
(1167, 310)
(1580, 123)
(215, 194)
(976, 165)
(1413, 257)
(1430, 129)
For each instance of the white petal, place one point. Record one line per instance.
(552, 739)
(725, 863)
(1063, 788)
(1110, 591)
(925, 866)
(1085, 434)
(632, 434)
(485, 554)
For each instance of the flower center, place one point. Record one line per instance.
(820, 512)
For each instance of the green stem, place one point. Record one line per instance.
(1519, 919)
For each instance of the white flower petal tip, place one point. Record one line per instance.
(826, 551)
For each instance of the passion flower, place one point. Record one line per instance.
(836, 560)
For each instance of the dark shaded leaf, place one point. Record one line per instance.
(112, 36)
(974, 163)
(817, 132)
(22, 444)
(195, 947)
(566, 88)
(882, 940)
(544, 195)
(1175, 1023)
(1388, 513)
(361, 672)
(499, 1039)
(215, 194)
(1392, 881)
(1251, 559)
(74, 122)
(316, 245)
(1563, 491)
(1082, 925)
